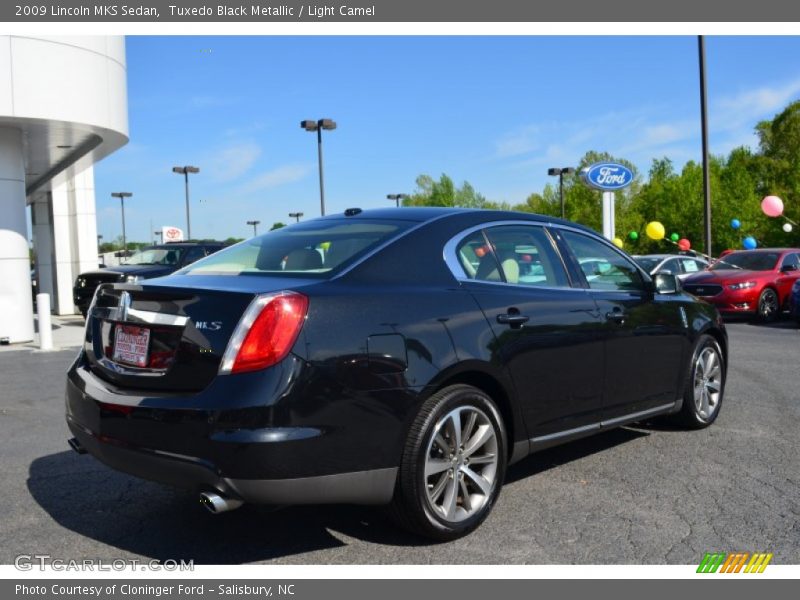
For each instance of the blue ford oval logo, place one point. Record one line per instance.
(607, 176)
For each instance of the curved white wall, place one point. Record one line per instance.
(63, 107)
(72, 79)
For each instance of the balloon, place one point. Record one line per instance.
(772, 206)
(633, 235)
(674, 237)
(617, 242)
(749, 243)
(654, 230)
(787, 227)
(736, 223)
(684, 244)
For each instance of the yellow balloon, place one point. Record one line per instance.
(655, 230)
(617, 242)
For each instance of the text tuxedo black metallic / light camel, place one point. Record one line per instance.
(400, 356)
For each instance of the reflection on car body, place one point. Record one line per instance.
(400, 356)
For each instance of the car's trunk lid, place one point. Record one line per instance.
(167, 336)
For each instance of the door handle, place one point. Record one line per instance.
(515, 320)
(616, 315)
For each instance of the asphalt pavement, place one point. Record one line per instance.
(648, 494)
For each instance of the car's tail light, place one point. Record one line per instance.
(265, 333)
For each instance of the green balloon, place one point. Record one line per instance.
(674, 237)
(634, 235)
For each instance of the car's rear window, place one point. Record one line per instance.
(312, 249)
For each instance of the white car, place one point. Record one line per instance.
(680, 265)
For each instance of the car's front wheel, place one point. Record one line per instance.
(705, 385)
(768, 306)
(453, 464)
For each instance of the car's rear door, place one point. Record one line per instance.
(645, 333)
(546, 332)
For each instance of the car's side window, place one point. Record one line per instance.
(691, 266)
(604, 267)
(526, 256)
(514, 254)
(193, 254)
(672, 266)
(791, 260)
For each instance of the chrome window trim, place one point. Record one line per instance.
(454, 265)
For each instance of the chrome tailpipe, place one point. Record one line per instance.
(76, 445)
(218, 504)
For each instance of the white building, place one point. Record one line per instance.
(63, 107)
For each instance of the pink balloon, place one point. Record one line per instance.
(772, 206)
(684, 244)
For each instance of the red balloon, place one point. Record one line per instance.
(684, 244)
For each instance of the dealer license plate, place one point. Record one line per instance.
(131, 345)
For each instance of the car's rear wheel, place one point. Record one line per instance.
(768, 306)
(705, 385)
(453, 464)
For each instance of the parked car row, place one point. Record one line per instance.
(398, 356)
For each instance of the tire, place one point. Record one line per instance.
(768, 306)
(456, 496)
(705, 385)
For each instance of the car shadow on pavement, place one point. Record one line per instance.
(147, 519)
(554, 457)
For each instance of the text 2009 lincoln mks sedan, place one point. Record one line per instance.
(400, 356)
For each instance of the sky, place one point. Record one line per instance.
(494, 111)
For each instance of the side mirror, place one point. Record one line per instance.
(666, 283)
(788, 268)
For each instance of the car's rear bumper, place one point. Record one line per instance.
(210, 441)
(375, 486)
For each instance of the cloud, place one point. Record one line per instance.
(231, 162)
(749, 106)
(276, 177)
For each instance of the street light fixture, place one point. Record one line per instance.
(396, 198)
(185, 172)
(122, 196)
(296, 216)
(255, 227)
(561, 172)
(318, 126)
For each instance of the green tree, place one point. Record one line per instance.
(277, 225)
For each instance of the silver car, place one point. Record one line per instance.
(679, 265)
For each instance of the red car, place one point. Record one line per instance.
(749, 282)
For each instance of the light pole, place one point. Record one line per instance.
(561, 172)
(296, 216)
(185, 172)
(159, 234)
(318, 126)
(255, 227)
(122, 196)
(396, 198)
(701, 50)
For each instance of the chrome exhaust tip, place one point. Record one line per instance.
(218, 504)
(76, 445)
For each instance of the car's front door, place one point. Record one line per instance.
(546, 332)
(645, 333)
(789, 273)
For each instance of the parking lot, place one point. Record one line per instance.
(640, 495)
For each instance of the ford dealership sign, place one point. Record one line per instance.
(607, 176)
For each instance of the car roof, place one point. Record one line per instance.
(781, 250)
(422, 214)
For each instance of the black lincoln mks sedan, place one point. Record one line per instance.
(402, 357)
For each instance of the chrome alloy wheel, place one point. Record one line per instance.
(461, 464)
(768, 305)
(707, 382)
